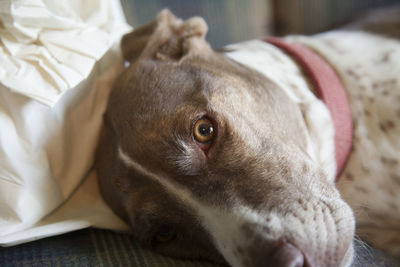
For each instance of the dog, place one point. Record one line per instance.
(230, 157)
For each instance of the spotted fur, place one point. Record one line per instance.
(370, 182)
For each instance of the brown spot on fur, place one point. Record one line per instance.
(387, 125)
(350, 72)
(305, 168)
(382, 127)
(386, 56)
(332, 45)
(389, 161)
(348, 176)
(387, 85)
(367, 113)
(391, 82)
(365, 170)
(390, 124)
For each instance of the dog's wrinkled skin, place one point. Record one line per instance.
(253, 197)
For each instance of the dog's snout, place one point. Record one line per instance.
(287, 255)
(283, 255)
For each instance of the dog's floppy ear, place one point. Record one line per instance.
(166, 38)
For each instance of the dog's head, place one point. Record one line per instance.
(206, 159)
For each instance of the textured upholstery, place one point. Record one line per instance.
(90, 247)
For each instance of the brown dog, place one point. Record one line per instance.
(208, 159)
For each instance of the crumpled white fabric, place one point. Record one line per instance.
(50, 46)
(58, 60)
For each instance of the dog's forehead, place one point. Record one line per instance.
(151, 93)
(163, 88)
(155, 98)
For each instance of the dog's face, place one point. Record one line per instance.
(206, 159)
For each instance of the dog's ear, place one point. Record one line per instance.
(166, 38)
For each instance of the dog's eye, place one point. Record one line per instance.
(203, 130)
(165, 235)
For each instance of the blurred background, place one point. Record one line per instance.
(232, 21)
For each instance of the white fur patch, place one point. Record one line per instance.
(184, 159)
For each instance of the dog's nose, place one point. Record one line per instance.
(282, 254)
(287, 255)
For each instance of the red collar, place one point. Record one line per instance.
(330, 90)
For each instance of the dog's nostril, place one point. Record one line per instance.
(287, 255)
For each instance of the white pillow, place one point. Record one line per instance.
(58, 60)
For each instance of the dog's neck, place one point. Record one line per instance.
(283, 70)
(330, 90)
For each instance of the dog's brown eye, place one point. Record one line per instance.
(165, 236)
(203, 130)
